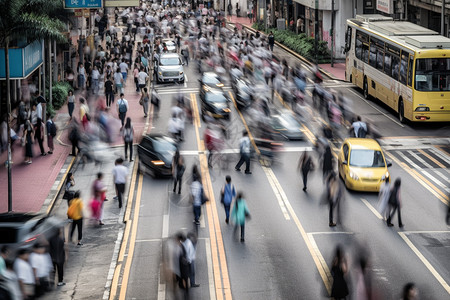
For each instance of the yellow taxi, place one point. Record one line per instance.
(362, 164)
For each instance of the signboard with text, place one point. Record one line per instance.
(121, 3)
(22, 61)
(386, 6)
(72, 4)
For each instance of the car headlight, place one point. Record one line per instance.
(157, 162)
(219, 84)
(353, 175)
(227, 110)
(385, 176)
(160, 73)
(181, 72)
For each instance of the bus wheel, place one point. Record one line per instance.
(366, 89)
(401, 111)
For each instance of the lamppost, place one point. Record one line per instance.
(316, 31)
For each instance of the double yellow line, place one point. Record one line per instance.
(219, 260)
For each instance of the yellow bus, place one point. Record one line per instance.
(402, 64)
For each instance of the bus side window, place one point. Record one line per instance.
(373, 55)
(348, 39)
(365, 48)
(410, 70)
(395, 66)
(358, 48)
(387, 63)
(403, 67)
(380, 59)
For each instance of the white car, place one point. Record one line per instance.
(169, 68)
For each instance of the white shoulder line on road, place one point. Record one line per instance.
(233, 151)
(112, 266)
(212, 291)
(377, 109)
(425, 261)
(405, 147)
(330, 232)
(372, 209)
(278, 191)
(319, 256)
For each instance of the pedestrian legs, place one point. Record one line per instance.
(330, 216)
(130, 146)
(242, 232)
(305, 178)
(197, 213)
(145, 106)
(227, 213)
(177, 181)
(122, 118)
(79, 224)
(120, 190)
(59, 267)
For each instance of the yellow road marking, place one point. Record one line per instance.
(323, 270)
(432, 158)
(194, 107)
(126, 235)
(424, 182)
(425, 262)
(220, 268)
(63, 180)
(320, 258)
(126, 271)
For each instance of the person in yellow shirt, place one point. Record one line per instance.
(77, 216)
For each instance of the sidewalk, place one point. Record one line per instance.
(337, 72)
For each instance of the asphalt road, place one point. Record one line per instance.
(288, 245)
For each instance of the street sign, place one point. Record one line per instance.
(72, 4)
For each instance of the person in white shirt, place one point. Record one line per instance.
(11, 282)
(120, 173)
(24, 271)
(142, 78)
(95, 76)
(356, 127)
(124, 69)
(41, 263)
(122, 108)
(196, 193)
(245, 149)
(118, 81)
(189, 246)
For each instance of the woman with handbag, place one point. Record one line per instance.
(239, 214)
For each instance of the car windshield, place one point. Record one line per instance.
(210, 79)
(161, 145)
(215, 97)
(366, 158)
(170, 61)
(432, 74)
(286, 121)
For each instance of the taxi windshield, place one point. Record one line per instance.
(366, 158)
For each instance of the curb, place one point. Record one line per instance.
(311, 64)
(53, 195)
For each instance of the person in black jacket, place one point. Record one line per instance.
(58, 254)
(271, 40)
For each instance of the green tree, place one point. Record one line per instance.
(32, 20)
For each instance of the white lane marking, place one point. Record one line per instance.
(233, 151)
(319, 256)
(439, 153)
(442, 176)
(148, 241)
(278, 191)
(420, 159)
(425, 262)
(212, 291)
(165, 229)
(427, 231)
(372, 209)
(161, 286)
(330, 232)
(185, 80)
(112, 266)
(377, 109)
(202, 218)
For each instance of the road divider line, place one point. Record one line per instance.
(377, 109)
(126, 271)
(432, 159)
(161, 287)
(324, 272)
(330, 232)
(419, 178)
(372, 209)
(426, 231)
(425, 262)
(219, 261)
(165, 227)
(278, 194)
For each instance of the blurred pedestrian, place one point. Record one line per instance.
(4, 253)
(74, 137)
(99, 195)
(122, 108)
(128, 136)
(28, 135)
(197, 194)
(335, 194)
(118, 81)
(120, 173)
(142, 79)
(410, 292)
(227, 194)
(145, 99)
(245, 151)
(155, 99)
(183, 264)
(178, 168)
(109, 91)
(51, 133)
(70, 103)
(327, 162)
(239, 214)
(84, 113)
(363, 281)
(41, 263)
(383, 197)
(75, 212)
(339, 268)
(271, 40)
(11, 282)
(305, 164)
(190, 247)
(24, 271)
(58, 251)
(395, 204)
(174, 127)
(358, 128)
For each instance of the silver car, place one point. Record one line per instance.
(169, 68)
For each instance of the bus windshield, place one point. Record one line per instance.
(432, 74)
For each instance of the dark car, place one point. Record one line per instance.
(23, 230)
(216, 104)
(155, 155)
(285, 125)
(210, 81)
(242, 88)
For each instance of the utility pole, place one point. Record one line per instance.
(316, 31)
(332, 33)
(8, 120)
(443, 18)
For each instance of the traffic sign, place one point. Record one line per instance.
(71, 4)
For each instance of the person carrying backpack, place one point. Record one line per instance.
(227, 194)
(122, 108)
(51, 133)
(359, 128)
(128, 133)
